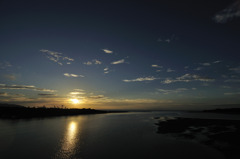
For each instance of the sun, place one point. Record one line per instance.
(75, 101)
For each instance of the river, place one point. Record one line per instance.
(106, 136)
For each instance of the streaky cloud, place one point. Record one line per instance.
(141, 79)
(4, 65)
(107, 51)
(118, 62)
(46, 94)
(170, 70)
(72, 75)
(169, 91)
(227, 14)
(157, 66)
(188, 78)
(4, 86)
(232, 80)
(57, 57)
(94, 61)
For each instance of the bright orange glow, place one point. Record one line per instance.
(75, 101)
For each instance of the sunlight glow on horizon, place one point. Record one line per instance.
(75, 101)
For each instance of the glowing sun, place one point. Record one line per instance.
(75, 101)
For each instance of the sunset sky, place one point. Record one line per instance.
(145, 54)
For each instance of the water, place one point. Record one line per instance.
(105, 136)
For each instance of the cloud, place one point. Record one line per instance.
(188, 78)
(227, 14)
(118, 62)
(10, 77)
(218, 61)
(3, 94)
(170, 70)
(106, 70)
(94, 61)
(167, 40)
(168, 91)
(72, 75)
(4, 65)
(232, 93)
(46, 94)
(57, 57)
(198, 68)
(236, 69)
(232, 80)
(4, 86)
(226, 87)
(88, 63)
(77, 93)
(141, 79)
(157, 66)
(96, 97)
(107, 51)
(97, 62)
(205, 64)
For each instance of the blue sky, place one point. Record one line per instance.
(120, 54)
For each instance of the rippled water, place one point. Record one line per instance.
(105, 136)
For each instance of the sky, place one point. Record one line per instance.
(145, 54)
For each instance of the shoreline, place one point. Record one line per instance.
(28, 113)
(221, 134)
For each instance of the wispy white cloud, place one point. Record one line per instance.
(170, 70)
(107, 51)
(232, 80)
(4, 65)
(88, 63)
(205, 64)
(77, 93)
(118, 62)
(96, 97)
(236, 69)
(188, 78)
(57, 57)
(157, 66)
(167, 40)
(226, 87)
(218, 61)
(46, 94)
(72, 75)
(94, 61)
(97, 62)
(141, 79)
(198, 68)
(10, 77)
(4, 86)
(106, 70)
(168, 91)
(227, 14)
(232, 93)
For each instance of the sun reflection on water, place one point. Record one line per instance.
(68, 144)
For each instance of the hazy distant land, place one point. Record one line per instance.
(11, 111)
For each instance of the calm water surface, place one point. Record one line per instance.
(105, 136)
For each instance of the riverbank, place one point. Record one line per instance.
(223, 135)
(21, 112)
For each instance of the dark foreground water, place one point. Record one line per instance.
(105, 136)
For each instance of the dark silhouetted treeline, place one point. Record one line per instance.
(9, 111)
(225, 111)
